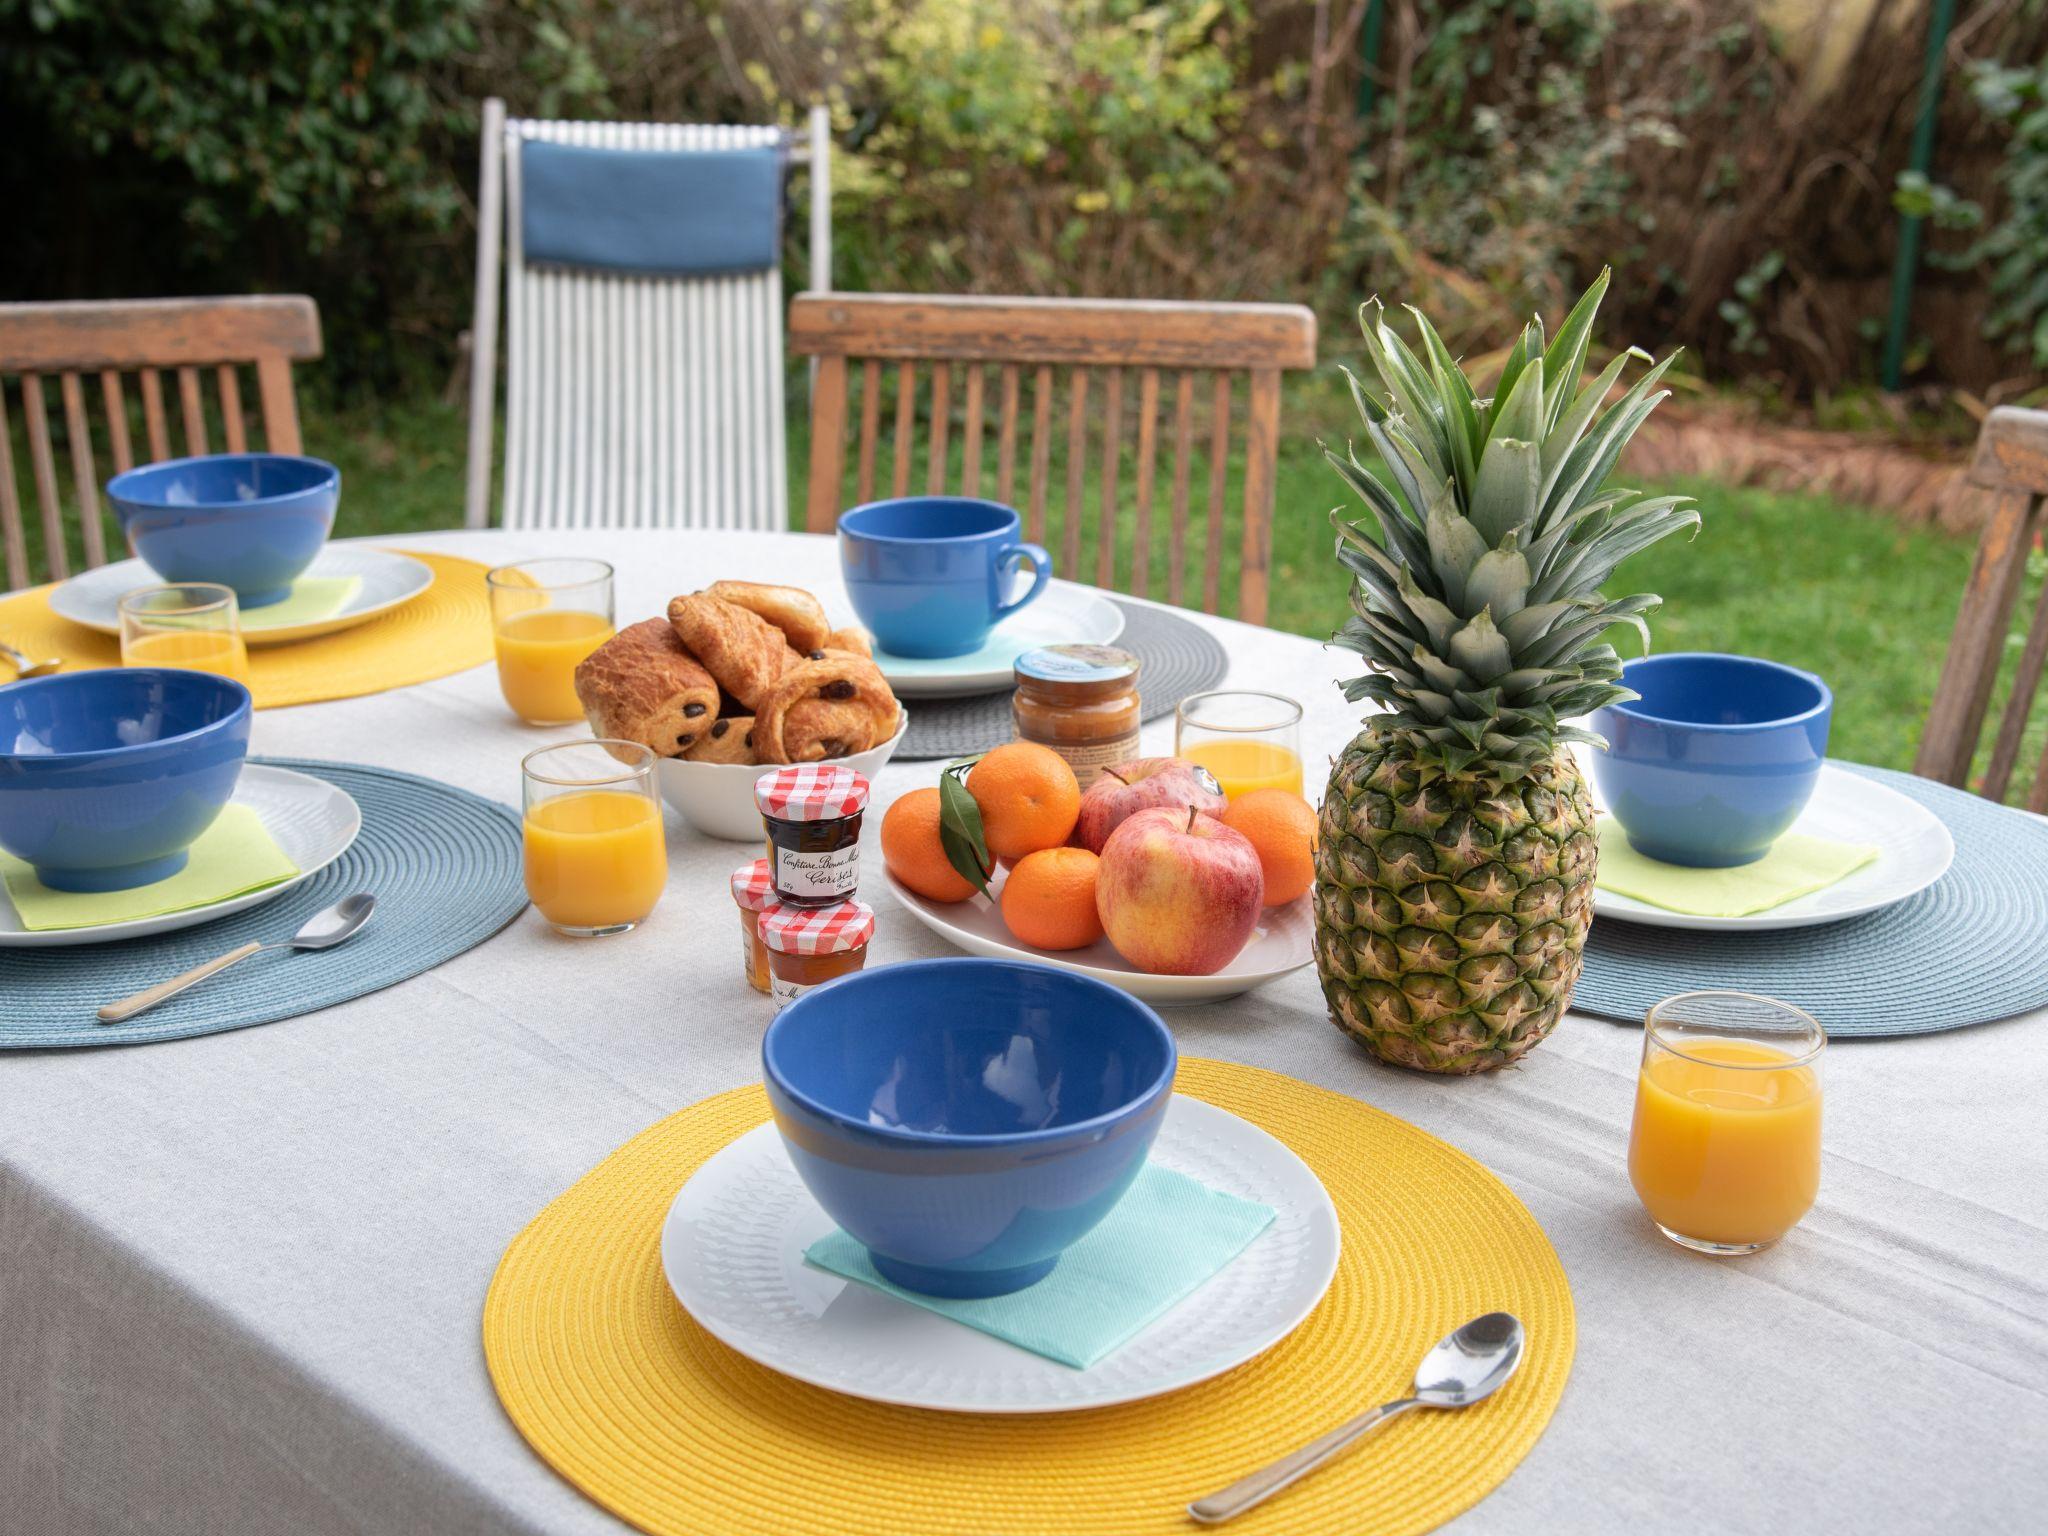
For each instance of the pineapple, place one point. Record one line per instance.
(1454, 871)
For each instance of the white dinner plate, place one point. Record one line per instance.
(733, 1250)
(1914, 850)
(1284, 941)
(388, 580)
(1062, 615)
(313, 821)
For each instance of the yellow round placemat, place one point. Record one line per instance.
(446, 629)
(621, 1392)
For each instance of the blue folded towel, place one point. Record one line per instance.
(1166, 1236)
(656, 212)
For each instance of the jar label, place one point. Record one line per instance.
(785, 992)
(826, 876)
(1088, 759)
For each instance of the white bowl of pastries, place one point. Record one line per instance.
(739, 677)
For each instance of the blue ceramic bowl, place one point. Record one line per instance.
(967, 1120)
(1716, 759)
(106, 777)
(251, 521)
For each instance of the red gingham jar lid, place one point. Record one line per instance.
(753, 887)
(811, 792)
(818, 930)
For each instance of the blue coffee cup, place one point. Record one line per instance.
(1716, 759)
(930, 575)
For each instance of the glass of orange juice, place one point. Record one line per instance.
(546, 616)
(1725, 1150)
(1247, 740)
(196, 625)
(596, 856)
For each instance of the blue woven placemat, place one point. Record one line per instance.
(444, 865)
(1967, 950)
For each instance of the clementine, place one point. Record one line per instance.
(1029, 798)
(911, 848)
(1282, 827)
(1049, 899)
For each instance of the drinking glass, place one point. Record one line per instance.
(1725, 1149)
(596, 857)
(191, 624)
(546, 616)
(1247, 740)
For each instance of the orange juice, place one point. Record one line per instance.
(595, 859)
(197, 650)
(537, 656)
(1243, 766)
(1726, 1146)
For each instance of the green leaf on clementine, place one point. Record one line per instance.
(960, 834)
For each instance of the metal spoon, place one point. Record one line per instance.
(324, 929)
(24, 669)
(1460, 1371)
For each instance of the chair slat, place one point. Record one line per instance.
(2019, 704)
(906, 410)
(1219, 467)
(1077, 469)
(117, 420)
(1112, 462)
(1041, 449)
(11, 534)
(36, 419)
(1183, 445)
(870, 426)
(1261, 450)
(970, 445)
(1148, 448)
(79, 430)
(942, 419)
(1006, 437)
(153, 414)
(1949, 739)
(230, 386)
(828, 445)
(2037, 796)
(194, 410)
(280, 408)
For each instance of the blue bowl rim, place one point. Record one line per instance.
(1153, 1091)
(897, 501)
(255, 503)
(244, 706)
(1627, 706)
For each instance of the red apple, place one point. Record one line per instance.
(1179, 892)
(1140, 785)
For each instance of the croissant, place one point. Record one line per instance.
(730, 740)
(742, 650)
(641, 685)
(854, 640)
(792, 610)
(830, 708)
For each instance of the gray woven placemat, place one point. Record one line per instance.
(1180, 658)
(444, 864)
(1967, 950)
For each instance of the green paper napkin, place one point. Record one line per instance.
(1166, 1236)
(232, 857)
(313, 598)
(1796, 866)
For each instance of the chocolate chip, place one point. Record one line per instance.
(839, 690)
(750, 738)
(835, 749)
(718, 730)
(817, 655)
(686, 738)
(692, 711)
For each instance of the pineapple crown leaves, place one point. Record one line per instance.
(1477, 606)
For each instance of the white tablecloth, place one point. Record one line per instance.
(241, 1276)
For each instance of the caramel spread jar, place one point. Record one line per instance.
(1082, 701)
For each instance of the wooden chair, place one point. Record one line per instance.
(1188, 355)
(2011, 459)
(146, 337)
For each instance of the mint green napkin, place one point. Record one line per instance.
(1796, 866)
(313, 598)
(232, 857)
(1166, 1236)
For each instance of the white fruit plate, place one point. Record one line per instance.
(1283, 942)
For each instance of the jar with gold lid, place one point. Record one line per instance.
(1082, 701)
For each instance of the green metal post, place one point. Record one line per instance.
(1907, 262)
(1369, 55)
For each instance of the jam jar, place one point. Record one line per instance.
(809, 946)
(1082, 701)
(753, 892)
(812, 812)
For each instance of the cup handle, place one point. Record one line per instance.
(1041, 562)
